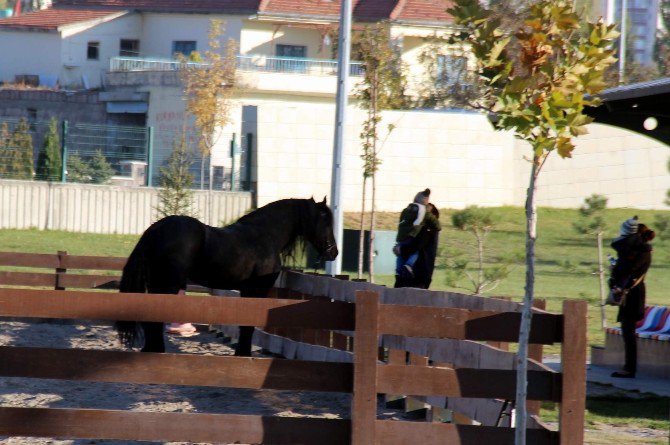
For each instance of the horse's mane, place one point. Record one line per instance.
(269, 213)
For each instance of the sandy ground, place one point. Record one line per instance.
(20, 392)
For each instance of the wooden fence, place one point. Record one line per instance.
(372, 321)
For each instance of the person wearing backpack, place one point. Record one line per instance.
(412, 220)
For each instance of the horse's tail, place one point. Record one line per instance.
(134, 279)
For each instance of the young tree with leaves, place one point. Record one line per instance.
(382, 88)
(592, 223)
(539, 93)
(175, 197)
(49, 161)
(208, 90)
(480, 223)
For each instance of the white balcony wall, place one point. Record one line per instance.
(262, 38)
(160, 30)
(76, 69)
(43, 58)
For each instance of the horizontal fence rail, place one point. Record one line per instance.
(162, 307)
(172, 427)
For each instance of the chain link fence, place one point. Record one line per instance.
(113, 154)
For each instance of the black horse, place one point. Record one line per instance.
(245, 256)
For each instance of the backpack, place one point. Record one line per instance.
(407, 218)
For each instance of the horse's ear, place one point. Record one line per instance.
(324, 201)
(312, 199)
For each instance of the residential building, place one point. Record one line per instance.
(642, 24)
(285, 110)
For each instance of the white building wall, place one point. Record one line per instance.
(42, 58)
(160, 30)
(76, 70)
(628, 168)
(458, 155)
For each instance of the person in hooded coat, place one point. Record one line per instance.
(633, 261)
(425, 245)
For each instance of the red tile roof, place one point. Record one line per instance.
(431, 10)
(223, 6)
(410, 10)
(363, 10)
(54, 18)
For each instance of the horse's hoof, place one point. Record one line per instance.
(242, 354)
(153, 350)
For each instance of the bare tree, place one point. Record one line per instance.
(382, 88)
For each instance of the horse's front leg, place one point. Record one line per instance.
(260, 288)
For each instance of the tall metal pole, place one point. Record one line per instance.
(343, 55)
(622, 41)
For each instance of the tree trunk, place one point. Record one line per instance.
(526, 314)
(480, 260)
(202, 173)
(601, 277)
(373, 218)
(361, 235)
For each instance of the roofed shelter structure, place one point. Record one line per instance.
(640, 107)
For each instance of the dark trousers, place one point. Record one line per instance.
(630, 344)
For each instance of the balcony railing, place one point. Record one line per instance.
(290, 65)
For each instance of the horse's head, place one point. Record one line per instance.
(319, 229)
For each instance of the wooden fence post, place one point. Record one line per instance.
(60, 270)
(364, 403)
(573, 368)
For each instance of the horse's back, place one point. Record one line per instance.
(174, 238)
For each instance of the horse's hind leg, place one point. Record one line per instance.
(259, 288)
(154, 336)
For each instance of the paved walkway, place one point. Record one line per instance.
(641, 382)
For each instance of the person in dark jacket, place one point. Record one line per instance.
(633, 261)
(425, 244)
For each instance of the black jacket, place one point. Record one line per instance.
(633, 261)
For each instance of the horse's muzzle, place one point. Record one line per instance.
(330, 253)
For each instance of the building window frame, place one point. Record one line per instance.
(184, 47)
(129, 47)
(93, 50)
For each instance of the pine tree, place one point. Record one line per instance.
(49, 161)
(78, 170)
(175, 197)
(4, 150)
(101, 170)
(21, 152)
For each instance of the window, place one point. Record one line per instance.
(93, 51)
(451, 70)
(184, 47)
(32, 117)
(129, 48)
(290, 66)
(291, 51)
